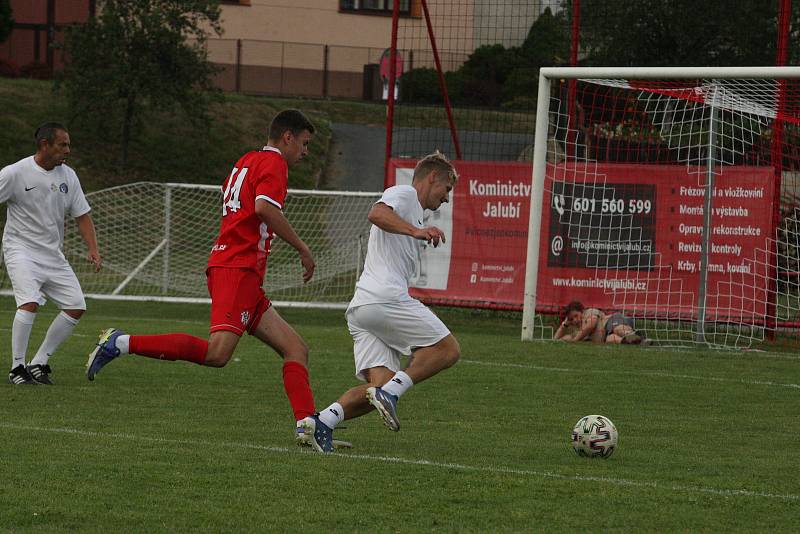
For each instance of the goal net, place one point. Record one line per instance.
(671, 196)
(155, 239)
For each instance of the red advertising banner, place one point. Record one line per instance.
(628, 237)
(486, 225)
(615, 236)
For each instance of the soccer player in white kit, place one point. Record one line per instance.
(384, 320)
(40, 191)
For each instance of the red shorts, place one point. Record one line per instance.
(237, 299)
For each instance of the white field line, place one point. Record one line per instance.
(116, 320)
(424, 463)
(659, 374)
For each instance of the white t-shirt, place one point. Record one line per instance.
(38, 200)
(391, 258)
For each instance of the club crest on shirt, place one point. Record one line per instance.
(245, 317)
(63, 188)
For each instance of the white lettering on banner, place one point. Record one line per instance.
(736, 250)
(499, 189)
(502, 210)
(613, 284)
(689, 247)
(687, 266)
(741, 192)
(690, 210)
(736, 230)
(687, 229)
(692, 191)
(728, 211)
(740, 268)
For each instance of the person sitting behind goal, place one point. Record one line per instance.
(591, 324)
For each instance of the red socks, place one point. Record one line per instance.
(170, 347)
(295, 382)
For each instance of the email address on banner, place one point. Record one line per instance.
(602, 283)
(613, 246)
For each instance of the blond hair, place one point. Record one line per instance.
(437, 162)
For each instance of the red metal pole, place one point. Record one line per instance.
(776, 154)
(390, 102)
(442, 81)
(573, 61)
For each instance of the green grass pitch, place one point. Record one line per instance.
(707, 439)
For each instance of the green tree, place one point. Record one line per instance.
(6, 21)
(137, 56)
(680, 32)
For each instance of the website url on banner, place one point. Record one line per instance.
(495, 232)
(603, 283)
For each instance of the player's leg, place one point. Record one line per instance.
(63, 288)
(354, 402)
(234, 296)
(114, 343)
(273, 330)
(26, 283)
(375, 364)
(410, 328)
(428, 361)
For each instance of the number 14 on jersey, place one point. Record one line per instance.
(230, 198)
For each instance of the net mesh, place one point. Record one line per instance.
(155, 239)
(490, 54)
(629, 166)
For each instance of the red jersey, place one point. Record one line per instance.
(244, 240)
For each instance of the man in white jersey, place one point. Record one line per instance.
(40, 191)
(384, 320)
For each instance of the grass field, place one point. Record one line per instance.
(706, 438)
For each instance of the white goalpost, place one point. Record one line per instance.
(155, 239)
(671, 195)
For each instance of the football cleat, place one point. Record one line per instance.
(105, 351)
(320, 434)
(41, 373)
(20, 376)
(303, 439)
(386, 404)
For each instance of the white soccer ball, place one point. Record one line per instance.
(594, 436)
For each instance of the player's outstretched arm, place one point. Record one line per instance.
(586, 329)
(273, 217)
(387, 220)
(86, 228)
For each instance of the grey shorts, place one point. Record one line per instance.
(615, 320)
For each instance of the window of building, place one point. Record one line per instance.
(382, 7)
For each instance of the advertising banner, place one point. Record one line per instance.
(615, 236)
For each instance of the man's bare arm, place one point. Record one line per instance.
(87, 231)
(273, 217)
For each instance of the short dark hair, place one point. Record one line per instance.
(575, 305)
(48, 131)
(289, 119)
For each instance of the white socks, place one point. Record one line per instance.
(60, 329)
(398, 384)
(123, 343)
(332, 415)
(20, 335)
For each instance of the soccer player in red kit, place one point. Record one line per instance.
(252, 204)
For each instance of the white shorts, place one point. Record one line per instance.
(383, 332)
(32, 281)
